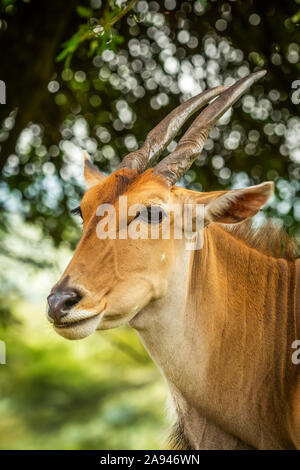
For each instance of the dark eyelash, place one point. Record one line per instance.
(152, 215)
(76, 211)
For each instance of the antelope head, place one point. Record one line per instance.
(110, 280)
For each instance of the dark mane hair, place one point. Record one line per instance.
(177, 440)
(268, 238)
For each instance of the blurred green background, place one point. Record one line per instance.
(98, 75)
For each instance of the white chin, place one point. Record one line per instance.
(80, 330)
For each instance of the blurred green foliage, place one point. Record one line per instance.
(103, 393)
(132, 62)
(97, 30)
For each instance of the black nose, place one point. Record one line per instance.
(61, 302)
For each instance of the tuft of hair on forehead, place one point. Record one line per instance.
(116, 184)
(150, 176)
(269, 239)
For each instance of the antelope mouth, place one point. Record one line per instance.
(76, 323)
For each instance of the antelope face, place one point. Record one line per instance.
(110, 280)
(128, 245)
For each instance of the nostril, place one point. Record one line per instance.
(71, 301)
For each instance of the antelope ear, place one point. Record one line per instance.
(92, 175)
(239, 204)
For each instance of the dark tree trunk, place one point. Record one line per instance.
(28, 48)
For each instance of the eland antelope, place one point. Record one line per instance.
(220, 321)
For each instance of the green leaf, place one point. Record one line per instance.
(68, 61)
(70, 47)
(118, 39)
(93, 47)
(296, 17)
(61, 56)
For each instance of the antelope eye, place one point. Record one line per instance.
(77, 211)
(152, 215)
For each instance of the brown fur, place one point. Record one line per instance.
(219, 322)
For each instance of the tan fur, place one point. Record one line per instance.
(218, 322)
